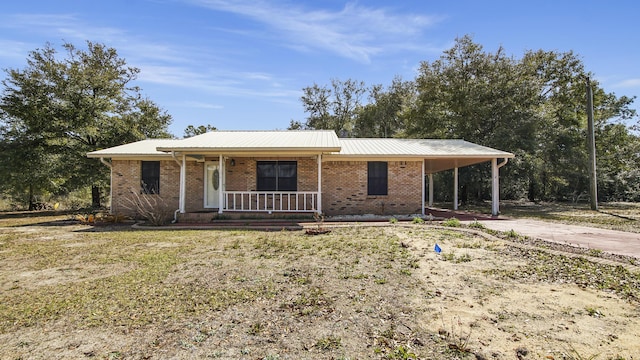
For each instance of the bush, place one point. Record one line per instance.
(453, 222)
(151, 207)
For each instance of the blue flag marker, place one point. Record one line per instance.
(437, 249)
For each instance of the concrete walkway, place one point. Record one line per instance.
(612, 241)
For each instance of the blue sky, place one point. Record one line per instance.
(242, 64)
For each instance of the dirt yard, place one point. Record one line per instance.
(73, 291)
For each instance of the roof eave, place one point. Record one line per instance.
(421, 156)
(127, 156)
(291, 150)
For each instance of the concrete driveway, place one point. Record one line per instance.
(616, 242)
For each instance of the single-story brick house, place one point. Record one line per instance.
(290, 171)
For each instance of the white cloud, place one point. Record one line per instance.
(355, 32)
(629, 83)
(201, 105)
(14, 50)
(161, 62)
(225, 83)
(67, 26)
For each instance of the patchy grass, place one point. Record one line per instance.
(548, 268)
(13, 219)
(108, 292)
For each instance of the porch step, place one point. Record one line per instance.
(196, 218)
(209, 219)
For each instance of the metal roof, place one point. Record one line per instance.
(259, 141)
(429, 148)
(135, 149)
(438, 154)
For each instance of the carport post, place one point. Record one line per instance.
(455, 188)
(430, 190)
(495, 188)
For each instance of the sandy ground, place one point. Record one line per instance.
(458, 300)
(502, 317)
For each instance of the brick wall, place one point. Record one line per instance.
(344, 189)
(344, 184)
(126, 179)
(195, 186)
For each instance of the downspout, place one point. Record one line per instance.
(108, 164)
(175, 213)
(506, 160)
(102, 160)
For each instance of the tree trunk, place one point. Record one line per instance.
(32, 205)
(95, 196)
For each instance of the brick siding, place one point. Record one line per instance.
(126, 179)
(344, 189)
(344, 184)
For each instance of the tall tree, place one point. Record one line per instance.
(382, 116)
(533, 107)
(560, 172)
(191, 130)
(481, 97)
(333, 108)
(69, 106)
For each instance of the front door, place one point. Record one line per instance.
(212, 184)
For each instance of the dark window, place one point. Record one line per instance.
(377, 178)
(277, 175)
(150, 179)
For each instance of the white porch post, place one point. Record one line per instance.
(422, 197)
(430, 190)
(455, 188)
(222, 184)
(319, 205)
(495, 189)
(183, 184)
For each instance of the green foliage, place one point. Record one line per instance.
(191, 130)
(382, 117)
(477, 225)
(333, 108)
(55, 110)
(328, 343)
(512, 234)
(401, 352)
(451, 222)
(532, 106)
(417, 220)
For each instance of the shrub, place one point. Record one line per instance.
(452, 222)
(151, 207)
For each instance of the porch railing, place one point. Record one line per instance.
(270, 201)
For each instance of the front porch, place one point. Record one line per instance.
(271, 201)
(295, 220)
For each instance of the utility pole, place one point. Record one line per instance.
(591, 142)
